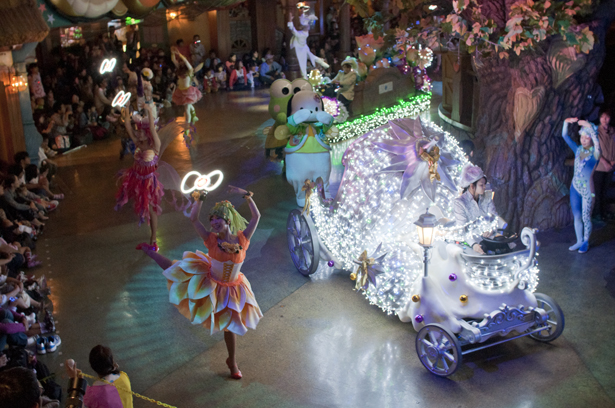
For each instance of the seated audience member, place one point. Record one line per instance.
(42, 179)
(270, 70)
(19, 388)
(213, 61)
(229, 65)
(239, 78)
(8, 201)
(209, 81)
(18, 234)
(101, 393)
(253, 76)
(220, 76)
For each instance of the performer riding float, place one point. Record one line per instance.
(299, 42)
(586, 158)
(209, 289)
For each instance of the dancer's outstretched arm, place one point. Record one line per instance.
(256, 215)
(126, 114)
(194, 218)
(152, 127)
(190, 69)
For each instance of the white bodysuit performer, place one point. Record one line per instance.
(299, 43)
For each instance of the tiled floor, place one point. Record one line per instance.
(320, 344)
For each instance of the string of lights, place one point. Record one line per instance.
(369, 211)
(366, 123)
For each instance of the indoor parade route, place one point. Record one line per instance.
(319, 344)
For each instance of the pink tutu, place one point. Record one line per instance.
(186, 96)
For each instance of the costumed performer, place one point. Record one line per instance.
(586, 157)
(186, 94)
(307, 150)
(280, 92)
(209, 289)
(140, 182)
(299, 43)
(473, 203)
(346, 79)
(145, 91)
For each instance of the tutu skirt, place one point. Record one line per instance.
(204, 300)
(140, 184)
(186, 96)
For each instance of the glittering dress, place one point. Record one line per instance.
(210, 290)
(140, 183)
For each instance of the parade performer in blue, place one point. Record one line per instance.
(586, 157)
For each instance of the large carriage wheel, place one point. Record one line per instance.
(303, 242)
(438, 349)
(555, 320)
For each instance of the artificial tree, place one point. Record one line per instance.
(537, 62)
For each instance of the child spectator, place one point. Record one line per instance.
(220, 76)
(209, 81)
(230, 63)
(34, 82)
(253, 76)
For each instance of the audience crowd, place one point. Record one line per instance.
(26, 201)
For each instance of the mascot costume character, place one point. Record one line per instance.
(280, 92)
(307, 150)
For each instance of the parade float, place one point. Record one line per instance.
(391, 226)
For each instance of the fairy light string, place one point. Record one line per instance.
(409, 107)
(369, 211)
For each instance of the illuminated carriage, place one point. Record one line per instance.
(392, 175)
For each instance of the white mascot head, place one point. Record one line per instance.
(307, 107)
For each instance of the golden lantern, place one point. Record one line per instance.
(18, 83)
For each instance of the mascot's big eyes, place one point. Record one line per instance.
(280, 88)
(301, 84)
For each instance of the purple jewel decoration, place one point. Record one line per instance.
(452, 277)
(331, 264)
(419, 318)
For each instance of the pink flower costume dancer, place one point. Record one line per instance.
(140, 182)
(209, 289)
(185, 94)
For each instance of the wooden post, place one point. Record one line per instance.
(263, 24)
(213, 32)
(223, 34)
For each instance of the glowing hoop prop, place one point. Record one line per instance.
(107, 65)
(120, 99)
(202, 182)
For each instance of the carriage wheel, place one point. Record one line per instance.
(555, 320)
(303, 242)
(438, 349)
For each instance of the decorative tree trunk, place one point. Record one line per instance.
(522, 108)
